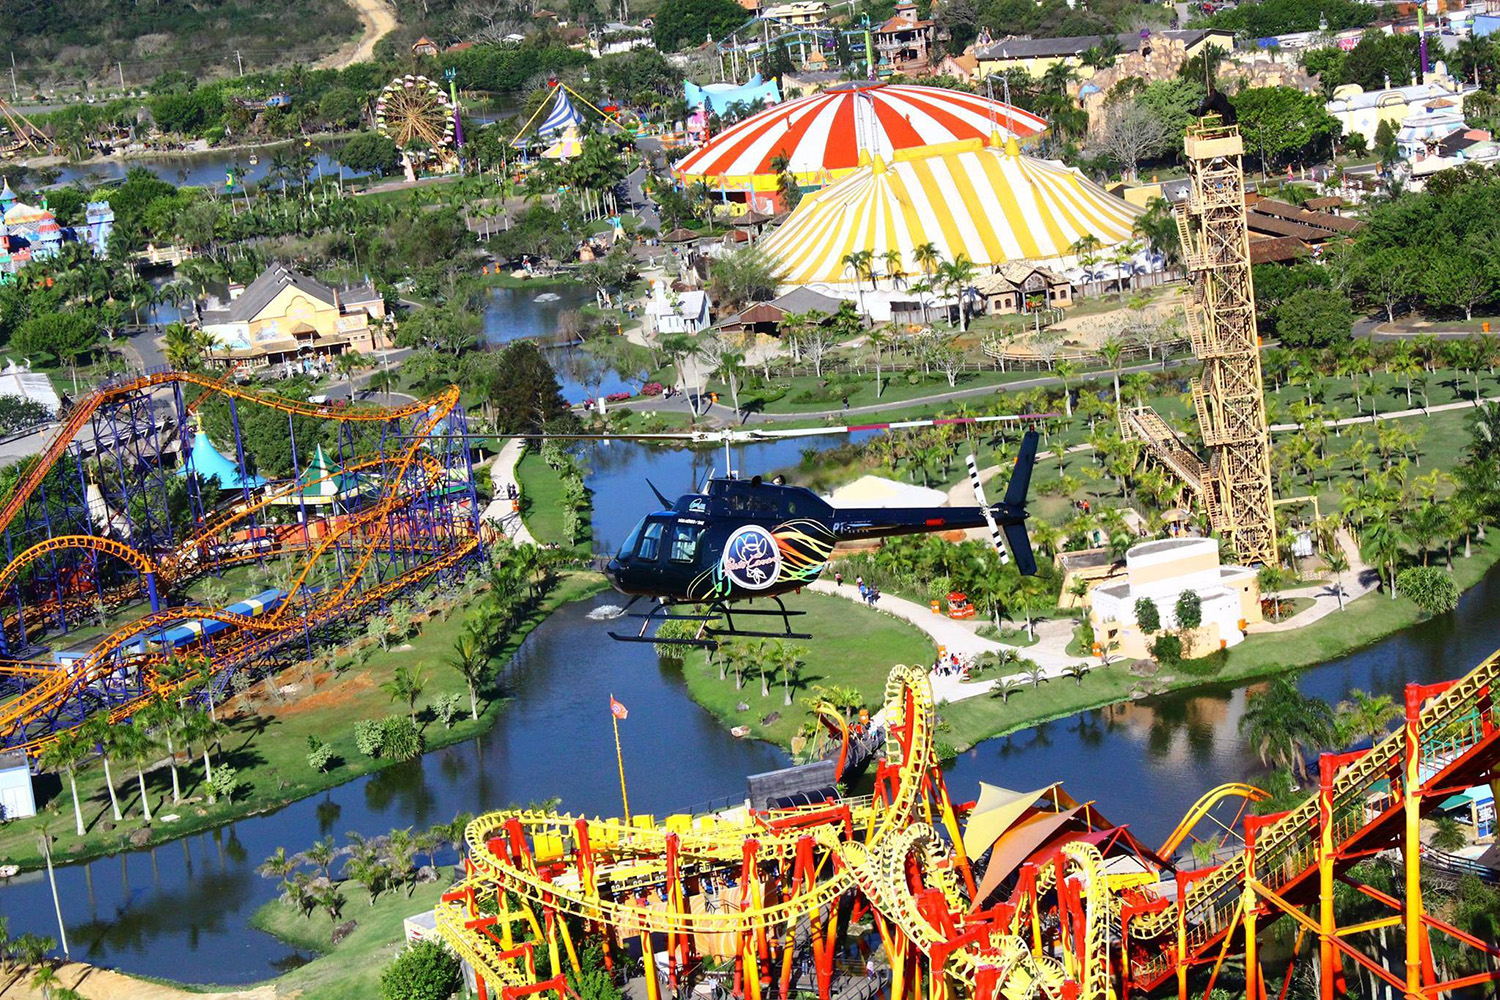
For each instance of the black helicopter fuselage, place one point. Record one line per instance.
(744, 539)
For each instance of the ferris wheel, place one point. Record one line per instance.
(416, 114)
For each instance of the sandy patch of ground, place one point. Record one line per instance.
(103, 984)
(340, 695)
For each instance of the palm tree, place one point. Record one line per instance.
(407, 685)
(1077, 671)
(321, 855)
(45, 980)
(1381, 545)
(1004, 688)
(893, 269)
(790, 661)
(278, 866)
(878, 340)
(69, 749)
(1338, 565)
(206, 731)
(139, 747)
(1112, 351)
(161, 715)
(959, 275)
(347, 364)
(1283, 725)
(99, 731)
(1366, 715)
(927, 256)
(473, 663)
(1065, 370)
(859, 262)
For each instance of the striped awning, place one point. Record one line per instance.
(987, 203)
(824, 135)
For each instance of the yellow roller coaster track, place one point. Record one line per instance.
(1062, 933)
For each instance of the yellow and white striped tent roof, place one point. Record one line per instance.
(990, 204)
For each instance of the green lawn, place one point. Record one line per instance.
(352, 967)
(852, 646)
(541, 499)
(267, 745)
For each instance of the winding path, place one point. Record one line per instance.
(1050, 651)
(501, 511)
(379, 20)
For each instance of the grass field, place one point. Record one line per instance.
(267, 744)
(541, 499)
(852, 647)
(352, 967)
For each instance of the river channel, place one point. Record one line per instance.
(183, 908)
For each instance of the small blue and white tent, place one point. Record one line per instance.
(562, 115)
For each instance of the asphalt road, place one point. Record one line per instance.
(727, 414)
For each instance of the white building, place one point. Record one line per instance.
(677, 312)
(1160, 572)
(1362, 111)
(16, 799)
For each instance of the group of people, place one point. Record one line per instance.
(951, 665)
(869, 593)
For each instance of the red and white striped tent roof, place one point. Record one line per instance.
(825, 136)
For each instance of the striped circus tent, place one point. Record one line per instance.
(825, 135)
(990, 204)
(562, 115)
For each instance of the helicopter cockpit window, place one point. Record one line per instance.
(650, 546)
(685, 542)
(628, 549)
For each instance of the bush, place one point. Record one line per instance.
(369, 737)
(674, 629)
(224, 782)
(1189, 609)
(1429, 588)
(1147, 615)
(400, 739)
(318, 753)
(1167, 650)
(425, 971)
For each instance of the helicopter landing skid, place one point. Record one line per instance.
(707, 637)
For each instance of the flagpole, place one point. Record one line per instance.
(614, 720)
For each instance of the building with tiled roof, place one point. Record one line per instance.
(284, 316)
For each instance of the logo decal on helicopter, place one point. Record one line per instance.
(752, 558)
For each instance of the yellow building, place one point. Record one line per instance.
(799, 13)
(1159, 572)
(1034, 56)
(283, 316)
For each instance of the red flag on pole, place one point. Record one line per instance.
(617, 709)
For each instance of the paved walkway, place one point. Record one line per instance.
(501, 510)
(1359, 580)
(961, 637)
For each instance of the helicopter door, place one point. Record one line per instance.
(684, 545)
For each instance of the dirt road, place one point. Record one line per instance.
(379, 20)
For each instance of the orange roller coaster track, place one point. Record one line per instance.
(757, 901)
(98, 528)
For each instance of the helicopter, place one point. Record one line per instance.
(743, 540)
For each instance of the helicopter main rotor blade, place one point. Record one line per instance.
(736, 435)
(755, 434)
